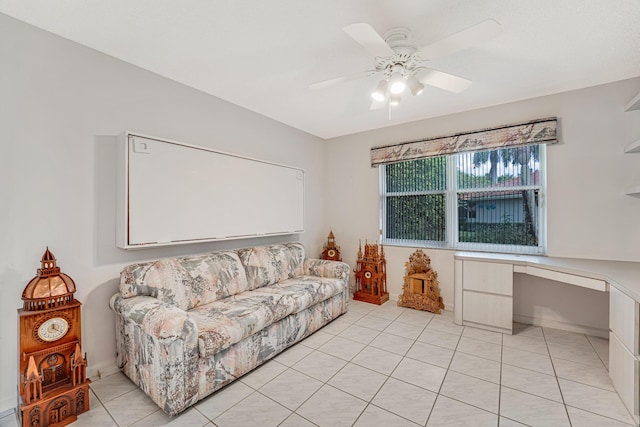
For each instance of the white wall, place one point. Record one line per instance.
(588, 214)
(61, 105)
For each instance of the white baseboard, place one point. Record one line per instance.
(565, 326)
(95, 372)
(7, 412)
(8, 405)
(485, 327)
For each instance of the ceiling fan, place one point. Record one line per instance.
(403, 66)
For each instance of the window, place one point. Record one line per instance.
(415, 200)
(476, 200)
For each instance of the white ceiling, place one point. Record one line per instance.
(263, 55)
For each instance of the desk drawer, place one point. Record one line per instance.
(625, 374)
(491, 310)
(489, 277)
(623, 319)
(572, 279)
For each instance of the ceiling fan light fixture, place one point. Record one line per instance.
(380, 92)
(394, 99)
(415, 86)
(397, 84)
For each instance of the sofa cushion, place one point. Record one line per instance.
(186, 282)
(306, 290)
(225, 322)
(266, 265)
(216, 275)
(228, 321)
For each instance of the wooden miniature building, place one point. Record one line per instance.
(371, 275)
(421, 288)
(331, 251)
(52, 376)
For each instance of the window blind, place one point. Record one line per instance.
(415, 203)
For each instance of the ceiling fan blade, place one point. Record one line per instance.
(369, 38)
(376, 105)
(445, 81)
(464, 39)
(332, 82)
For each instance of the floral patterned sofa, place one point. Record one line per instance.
(187, 326)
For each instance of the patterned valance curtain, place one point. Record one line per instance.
(541, 131)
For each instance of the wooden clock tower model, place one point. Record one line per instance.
(52, 379)
(331, 251)
(371, 275)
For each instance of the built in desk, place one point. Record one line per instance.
(483, 298)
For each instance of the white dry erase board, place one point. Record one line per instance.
(173, 193)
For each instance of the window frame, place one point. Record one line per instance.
(451, 240)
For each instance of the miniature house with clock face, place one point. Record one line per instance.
(52, 370)
(331, 251)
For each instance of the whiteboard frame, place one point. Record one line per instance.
(122, 198)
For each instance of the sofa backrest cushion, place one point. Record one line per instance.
(266, 265)
(186, 282)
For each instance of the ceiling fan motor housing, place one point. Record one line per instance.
(399, 39)
(404, 60)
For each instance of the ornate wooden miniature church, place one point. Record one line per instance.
(53, 385)
(420, 289)
(371, 275)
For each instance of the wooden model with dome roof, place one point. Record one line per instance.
(52, 378)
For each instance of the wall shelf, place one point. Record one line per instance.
(634, 147)
(634, 104)
(633, 191)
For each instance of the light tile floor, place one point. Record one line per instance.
(391, 366)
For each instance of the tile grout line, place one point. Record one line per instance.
(597, 353)
(500, 377)
(323, 383)
(349, 361)
(578, 382)
(103, 405)
(602, 416)
(445, 374)
(581, 383)
(555, 373)
(396, 367)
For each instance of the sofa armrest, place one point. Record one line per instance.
(157, 348)
(326, 268)
(156, 318)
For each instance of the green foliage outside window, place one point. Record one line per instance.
(416, 217)
(420, 214)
